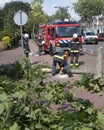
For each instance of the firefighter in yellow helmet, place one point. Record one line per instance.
(61, 60)
(75, 47)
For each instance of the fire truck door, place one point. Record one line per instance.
(48, 37)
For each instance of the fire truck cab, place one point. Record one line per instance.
(58, 35)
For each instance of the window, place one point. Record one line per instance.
(67, 31)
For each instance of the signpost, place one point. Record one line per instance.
(20, 18)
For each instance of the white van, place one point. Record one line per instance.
(90, 38)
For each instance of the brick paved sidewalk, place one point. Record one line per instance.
(10, 56)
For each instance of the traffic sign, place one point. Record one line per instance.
(20, 18)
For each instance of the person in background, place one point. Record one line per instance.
(26, 45)
(61, 60)
(41, 42)
(75, 47)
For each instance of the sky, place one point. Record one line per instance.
(49, 6)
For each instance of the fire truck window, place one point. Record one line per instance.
(52, 31)
(48, 31)
(67, 31)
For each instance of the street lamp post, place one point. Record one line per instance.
(61, 7)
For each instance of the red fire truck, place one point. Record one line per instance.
(57, 35)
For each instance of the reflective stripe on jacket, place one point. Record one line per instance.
(60, 57)
(75, 46)
(74, 51)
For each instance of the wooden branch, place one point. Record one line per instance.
(77, 71)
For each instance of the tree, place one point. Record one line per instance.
(86, 9)
(1, 19)
(9, 27)
(37, 1)
(62, 13)
(15, 6)
(36, 15)
(10, 9)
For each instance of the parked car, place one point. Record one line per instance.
(90, 38)
(101, 36)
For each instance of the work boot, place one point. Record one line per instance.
(76, 64)
(71, 64)
(61, 73)
(70, 75)
(53, 74)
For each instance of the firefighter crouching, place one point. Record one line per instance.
(61, 60)
(75, 47)
(26, 45)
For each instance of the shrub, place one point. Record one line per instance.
(8, 40)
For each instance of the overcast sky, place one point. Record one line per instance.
(49, 6)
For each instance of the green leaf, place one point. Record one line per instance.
(54, 126)
(3, 97)
(101, 118)
(96, 87)
(20, 94)
(49, 96)
(89, 110)
(27, 128)
(1, 108)
(46, 120)
(14, 127)
(38, 126)
(60, 128)
(86, 128)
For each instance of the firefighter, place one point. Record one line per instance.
(61, 60)
(41, 43)
(75, 48)
(26, 45)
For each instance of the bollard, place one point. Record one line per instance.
(91, 53)
(99, 64)
(84, 50)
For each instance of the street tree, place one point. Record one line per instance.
(9, 27)
(62, 13)
(9, 10)
(15, 6)
(86, 9)
(1, 19)
(36, 15)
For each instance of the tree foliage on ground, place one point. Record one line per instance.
(27, 101)
(88, 8)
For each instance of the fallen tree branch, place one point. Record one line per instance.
(77, 71)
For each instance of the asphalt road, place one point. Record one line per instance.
(94, 48)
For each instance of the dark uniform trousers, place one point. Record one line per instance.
(62, 63)
(26, 48)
